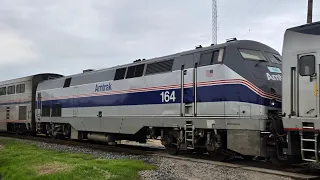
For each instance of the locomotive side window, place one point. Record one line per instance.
(208, 58)
(307, 65)
(11, 90)
(159, 67)
(130, 72)
(45, 111)
(120, 73)
(252, 55)
(135, 71)
(67, 82)
(56, 110)
(139, 70)
(20, 88)
(3, 91)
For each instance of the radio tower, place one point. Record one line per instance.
(214, 22)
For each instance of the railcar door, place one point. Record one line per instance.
(39, 105)
(75, 101)
(307, 85)
(189, 91)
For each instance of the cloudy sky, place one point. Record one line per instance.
(67, 36)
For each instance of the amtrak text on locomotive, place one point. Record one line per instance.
(103, 87)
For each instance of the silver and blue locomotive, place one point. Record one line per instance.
(216, 99)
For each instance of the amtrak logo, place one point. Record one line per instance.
(103, 87)
(277, 77)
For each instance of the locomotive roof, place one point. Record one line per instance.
(238, 43)
(107, 74)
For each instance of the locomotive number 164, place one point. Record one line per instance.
(166, 96)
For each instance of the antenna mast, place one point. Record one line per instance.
(214, 22)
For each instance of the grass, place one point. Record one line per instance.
(21, 161)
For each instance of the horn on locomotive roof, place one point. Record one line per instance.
(137, 60)
(197, 47)
(231, 39)
(87, 70)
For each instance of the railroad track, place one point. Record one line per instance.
(294, 171)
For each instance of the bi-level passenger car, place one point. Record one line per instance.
(17, 102)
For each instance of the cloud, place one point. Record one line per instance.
(66, 37)
(15, 49)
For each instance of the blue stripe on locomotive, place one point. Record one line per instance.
(228, 92)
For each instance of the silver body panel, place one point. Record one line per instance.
(131, 118)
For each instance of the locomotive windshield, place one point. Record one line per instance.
(252, 55)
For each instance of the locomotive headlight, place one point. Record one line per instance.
(272, 102)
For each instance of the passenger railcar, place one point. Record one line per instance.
(217, 99)
(17, 103)
(301, 54)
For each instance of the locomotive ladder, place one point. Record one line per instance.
(309, 142)
(189, 134)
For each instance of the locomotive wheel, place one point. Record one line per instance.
(172, 149)
(217, 156)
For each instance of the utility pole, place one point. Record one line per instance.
(214, 22)
(310, 7)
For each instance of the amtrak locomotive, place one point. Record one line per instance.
(221, 99)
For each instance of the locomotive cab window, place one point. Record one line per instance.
(276, 59)
(307, 65)
(252, 55)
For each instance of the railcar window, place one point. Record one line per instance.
(307, 65)
(3, 91)
(56, 110)
(120, 73)
(20, 88)
(11, 90)
(252, 55)
(8, 113)
(67, 82)
(45, 111)
(159, 67)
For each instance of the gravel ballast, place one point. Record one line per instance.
(167, 168)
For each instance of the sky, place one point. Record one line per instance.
(68, 36)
